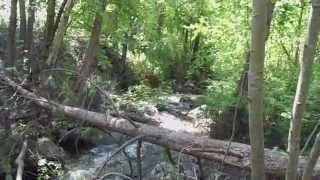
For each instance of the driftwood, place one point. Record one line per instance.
(202, 147)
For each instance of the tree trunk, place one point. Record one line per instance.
(23, 20)
(58, 38)
(89, 60)
(29, 32)
(255, 88)
(56, 23)
(49, 27)
(121, 71)
(313, 158)
(243, 87)
(195, 48)
(185, 142)
(11, 49)
(306, 64)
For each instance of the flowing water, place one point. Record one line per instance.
(84, 167)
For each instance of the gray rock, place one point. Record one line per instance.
(49, 149)
(93, 136)
(197, 112)
(150, 109)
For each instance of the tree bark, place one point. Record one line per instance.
(56, 23)
(120, 69)
(313, 158)
(23, 20)
(58, 38)
(49, 27)
(89, 60)
(255, 88)
(29, 32)
(11, 49)
(306, 64)
(182, 141)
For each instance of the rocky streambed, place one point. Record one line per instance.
(180, 114)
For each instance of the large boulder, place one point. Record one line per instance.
(49, 150)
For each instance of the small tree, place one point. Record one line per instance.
(306, 64)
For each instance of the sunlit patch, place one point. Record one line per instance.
(173, 123)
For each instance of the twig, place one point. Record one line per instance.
(129, 161)
(179, 164)
(20, 160)
(66, 134)
(99, 171)
(139, 161)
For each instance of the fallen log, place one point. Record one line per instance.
(202, 147)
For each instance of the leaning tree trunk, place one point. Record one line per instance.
(11, 49)
(58, 38)
(302, 90)
(89, 60)
(255, 88)
(23, 20)
(313, 158)
(58, 17)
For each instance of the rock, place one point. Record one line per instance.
(161, 171)
(93, 136)
(79, 175)
(197, 112)
(187, 87)
(199, 119)
(49, 149)
(189, 101)
(150, 109)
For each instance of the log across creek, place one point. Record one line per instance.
(187, 143)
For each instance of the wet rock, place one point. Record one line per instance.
(93, 136)
(49, 150)
(186, 88)
(161, 171)
(79, 175)
(189, 102)
(197, 112)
